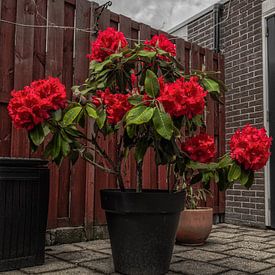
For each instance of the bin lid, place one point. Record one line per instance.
(22, 162)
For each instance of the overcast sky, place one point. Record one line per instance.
(161, 14)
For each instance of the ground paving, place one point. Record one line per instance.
(230, 250)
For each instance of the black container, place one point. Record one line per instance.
(142, 228)
(24, 195)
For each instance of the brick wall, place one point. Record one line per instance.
(241, 43)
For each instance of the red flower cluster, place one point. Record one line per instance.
(250, 147)
(117, 105)
(200, 148)
(108, 42)
(182, 97)
(162, 42)
(32, 105)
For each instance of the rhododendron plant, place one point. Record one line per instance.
(143, 97)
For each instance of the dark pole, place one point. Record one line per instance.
(217, 11)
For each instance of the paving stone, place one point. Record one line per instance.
(234, 272)
(260, 233)
(269, 271)
(179, 248)
(74, 271)
(249, 253)
(104, 265)
(51, 264)
(200, 255)
(13, 272)
(221, 240)
(271, 260)
(271, 250)
(252, 245)
(106, 251)
(56, 249)
(190, 267)
(224, 235)
(81, 256)
(243, 264)
(216, 247)
(251, 238)
(94, 245)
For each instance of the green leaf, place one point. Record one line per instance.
(144, 53)
(250, 180)
(140, 150)
(244, 177)
(131, 129)
(211, 85)
(71, 115)
(57, 115)
(91, 111)
(101, 118)
(225, 161)
(234, 172)
(139, 115)
(56, 145)
(65, 146)
(37, 135)
(151, 84)
(135, 99)
(163, 124)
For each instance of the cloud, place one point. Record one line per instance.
(160, 14)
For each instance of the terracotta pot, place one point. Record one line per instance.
(195, 226)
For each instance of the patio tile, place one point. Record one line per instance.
(51, 264)
(249, 254)
(179, 248)
(74, 271)
(216, 247)
(224, 235)
(252, 245)
(243, 264)
(219, 240)
(95, 245)
(271, 250)
(200, 255)
(234, 272)
(271, 260)
(190, 267)
(249, 238)
(269, 271)
(104, 265)
(81, 256)
(14, 272)
(56, 249)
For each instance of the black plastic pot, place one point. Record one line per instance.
(24, 195)
(142, 228)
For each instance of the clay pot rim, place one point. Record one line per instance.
(202, 209)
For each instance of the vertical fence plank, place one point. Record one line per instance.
(24, 38)
(78, 180)
(90, 170)
(54, 67)
(63, 212)
(102, 179)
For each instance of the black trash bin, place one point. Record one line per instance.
(24, 196)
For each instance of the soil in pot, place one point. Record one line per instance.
(194, 226)
(142, 229)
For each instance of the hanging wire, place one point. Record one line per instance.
(95, 29)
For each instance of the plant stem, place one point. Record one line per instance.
(168, 172)
(139, 177)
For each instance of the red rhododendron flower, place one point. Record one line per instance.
(200, 148)
(117, 105)
(32, 105)
(182, 97)
(162, 42)
(250, 147)
(108, 42)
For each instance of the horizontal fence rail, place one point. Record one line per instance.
(29, 53)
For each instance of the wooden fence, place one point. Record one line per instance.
(28, 53)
